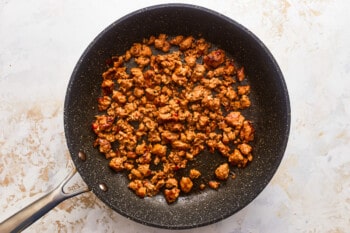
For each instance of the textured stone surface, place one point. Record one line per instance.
(41, 42)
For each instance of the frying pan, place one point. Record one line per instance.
(270, 113)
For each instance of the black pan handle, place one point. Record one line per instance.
(25, 217)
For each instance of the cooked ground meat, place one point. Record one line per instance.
(214, 184)
(171, 195)
(165, 108)
(186, 184)
(194, 173)
(222, 171)
(214, 58)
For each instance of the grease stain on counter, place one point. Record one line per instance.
(84, 201)
(309, 39)
(29, 126)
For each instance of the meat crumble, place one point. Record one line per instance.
(163, 102)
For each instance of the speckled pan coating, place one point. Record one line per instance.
(270, 113)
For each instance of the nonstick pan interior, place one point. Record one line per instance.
(270, 113)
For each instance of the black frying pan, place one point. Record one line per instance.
(270, 113)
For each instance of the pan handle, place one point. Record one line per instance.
(25, 217)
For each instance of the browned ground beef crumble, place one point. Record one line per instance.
(175, 100)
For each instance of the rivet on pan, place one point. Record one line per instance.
(103, 187)
(82, 156)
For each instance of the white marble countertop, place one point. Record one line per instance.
(40, 42)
